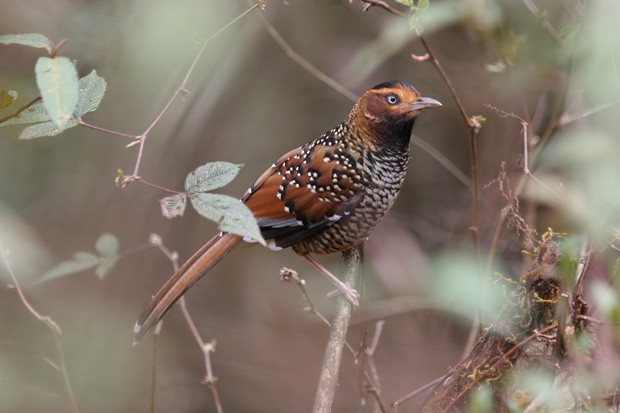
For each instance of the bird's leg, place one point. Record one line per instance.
(349, 293)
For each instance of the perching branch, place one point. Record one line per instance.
(333, 352)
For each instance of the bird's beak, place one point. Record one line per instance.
(424, 102)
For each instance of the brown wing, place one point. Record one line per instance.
(305, 191)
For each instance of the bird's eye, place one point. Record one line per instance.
(392, 99)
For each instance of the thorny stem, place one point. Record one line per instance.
(182, 89)
(207, 348)
(49, 322)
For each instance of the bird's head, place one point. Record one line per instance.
(389, 109)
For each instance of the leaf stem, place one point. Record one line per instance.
(104, 130)
(161, 188)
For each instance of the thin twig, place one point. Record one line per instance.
(21, 109)
(502, 359)
(544, 21)
(567, 119)
(49, 322)
(288, 274)
(416, 392)
(333, 352)
(443, 161)
(182, 89)
(473, 123)
(161, 188)
(294, 56)
(104, 130)
(381, 4)
(206, 347)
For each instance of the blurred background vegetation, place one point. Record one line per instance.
(552, 64)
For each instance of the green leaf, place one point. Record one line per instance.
(423, 4)
(105, 265)
(408, 3)
(28, 39)
(45, 129)
(231, 214)
(81, 261)
(7, 97)
(91, 90)
(211, 176)
(481, 400)
(34, 114)
(107, 245)
(173, 206)
(57, 80)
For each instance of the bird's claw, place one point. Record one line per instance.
(350, 294)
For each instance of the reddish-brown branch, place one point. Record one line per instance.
(50, 323)
(21, 109)
(104, 130)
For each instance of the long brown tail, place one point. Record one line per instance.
(190, 272)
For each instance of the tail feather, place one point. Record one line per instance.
(190, 272)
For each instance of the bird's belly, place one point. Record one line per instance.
(352, 229)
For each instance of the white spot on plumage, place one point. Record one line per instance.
(271, 244)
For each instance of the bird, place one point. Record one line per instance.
(320, 198)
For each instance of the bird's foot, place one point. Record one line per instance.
(349, 293)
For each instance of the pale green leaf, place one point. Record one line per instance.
(34, 114)
(45, 129)
(107, 245)
(481, 400)
(105, 265)
(91, 90)
(408, 3)
(81, 261)
(7, 97)
(211, 176)
(57, 81)
(423, 4)
(28, 39)
(231, 214)
(173, 206)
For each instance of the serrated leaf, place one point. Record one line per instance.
(231, 214)
(105, 266)
(28, 39)
(57, 81)
(211, 176)
(81, 261)
(45, 129)
(7, 97)
(107, 245)
(91, 90)
(34, 114)
(173, 206)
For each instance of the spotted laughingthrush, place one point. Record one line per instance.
(323, 197)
